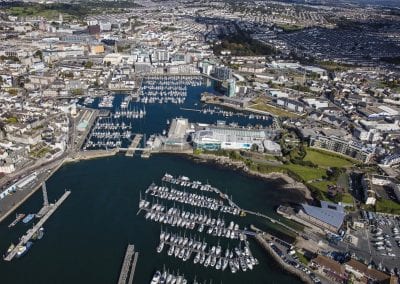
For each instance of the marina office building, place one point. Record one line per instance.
(328, 217)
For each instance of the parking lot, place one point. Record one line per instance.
(378, 243)
(285, 252)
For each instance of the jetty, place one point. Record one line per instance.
(135, 143)
(25, 238)
(128, 266)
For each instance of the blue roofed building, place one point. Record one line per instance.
(328, 217)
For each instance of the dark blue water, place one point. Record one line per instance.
(85, 240)
(155, 121)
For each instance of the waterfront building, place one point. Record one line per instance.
(216, 138)
(222, 73)
(206, 67)
(344, 147)
(231, 88)
(329, 216)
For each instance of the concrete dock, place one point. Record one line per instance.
(135, 143)
(128, 266)
(130, 281)
(25, 238)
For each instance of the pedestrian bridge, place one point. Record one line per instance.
(132, 149)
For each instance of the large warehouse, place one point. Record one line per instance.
(215, 138)
(329, 216)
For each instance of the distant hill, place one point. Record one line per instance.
(383, 3)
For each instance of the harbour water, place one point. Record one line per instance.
(155, 115)
(85, 240)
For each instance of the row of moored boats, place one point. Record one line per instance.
(181, 247)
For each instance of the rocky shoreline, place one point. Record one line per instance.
(241, 166)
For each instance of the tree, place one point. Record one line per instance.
(88, 64)
(254, 148)
(39, 54)
(77, 92)
(13, 92)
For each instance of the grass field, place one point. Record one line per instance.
(322, 186)
(273, 110)
(334, 66)
(315, 176)
(33, 11)
(347, 198)
(306, 173)
(327, 159)
(387, 206)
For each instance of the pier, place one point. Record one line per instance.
(46, 205)
(128, 266)
(25, 238)
(134, 145)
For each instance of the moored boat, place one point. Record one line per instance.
(22, 250)
(28, 218)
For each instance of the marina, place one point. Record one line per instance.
(24, 242)
(193, 199)
(188, 220)
(103, 208)
(239, 259)
(185, 247)
(125, 115)
(109, 133)
(167, 89)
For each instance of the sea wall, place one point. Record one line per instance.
(302, 276)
